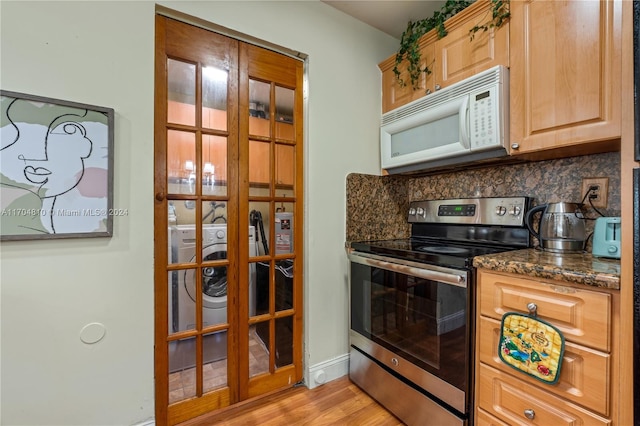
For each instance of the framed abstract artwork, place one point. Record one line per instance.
(56, 168)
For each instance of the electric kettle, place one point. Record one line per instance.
(560, 227)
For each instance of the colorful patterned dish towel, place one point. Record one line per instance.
(532, 346)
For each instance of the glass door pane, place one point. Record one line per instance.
(214, 98)
(259, 103)
(214, 168)
(259, 349)
(214, 358)
(285, 165)
(284, 229)
(259, 168)
(181, 108)
(284, 113)
(181, 164)
(284, 341)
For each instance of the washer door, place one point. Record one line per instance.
(214, 280)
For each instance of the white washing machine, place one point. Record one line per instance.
(182, 296)
(214, 280)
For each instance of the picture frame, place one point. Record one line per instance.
(56, 168)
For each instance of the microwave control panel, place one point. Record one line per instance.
(483, 119)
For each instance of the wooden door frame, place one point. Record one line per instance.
(237, 177)
(165, 49)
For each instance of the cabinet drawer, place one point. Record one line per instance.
(485, 419)
(508, 399)
(584, 375)
(583, 316)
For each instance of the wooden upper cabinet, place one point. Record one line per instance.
(393, 94)
(458, 57)
(565, 75)
(450, 59)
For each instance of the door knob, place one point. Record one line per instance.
(160, 196)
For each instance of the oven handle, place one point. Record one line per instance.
(427, 274)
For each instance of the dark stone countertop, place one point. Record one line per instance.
(578, 268)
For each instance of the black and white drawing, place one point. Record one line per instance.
(55, 168)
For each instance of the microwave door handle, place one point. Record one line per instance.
(464, 123)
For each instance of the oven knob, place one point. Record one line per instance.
(412, 211)
(420, 211)
(501, 210)
(515, 210)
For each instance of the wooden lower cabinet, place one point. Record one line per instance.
(585, 391)
(518, 403)
(584, 377)
(485, 419)
(583, 316)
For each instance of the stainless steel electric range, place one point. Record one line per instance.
(412, 306)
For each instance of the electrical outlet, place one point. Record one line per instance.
(598, 196)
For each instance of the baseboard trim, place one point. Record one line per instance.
(327, 371)
(151, 422)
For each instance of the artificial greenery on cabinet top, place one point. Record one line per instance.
(409, 43)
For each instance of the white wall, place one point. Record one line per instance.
(101, 53)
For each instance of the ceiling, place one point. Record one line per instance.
(390, 17)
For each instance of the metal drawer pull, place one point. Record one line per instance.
(394, 361)
(529, 413)
(533, 309)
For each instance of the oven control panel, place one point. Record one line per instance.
(506, 211)
(457, 210)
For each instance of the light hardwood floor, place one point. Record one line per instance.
(339, 402)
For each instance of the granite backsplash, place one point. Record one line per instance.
(377, 205)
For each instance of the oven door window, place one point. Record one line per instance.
(423, 321)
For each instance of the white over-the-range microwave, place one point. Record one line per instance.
(463, 123)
